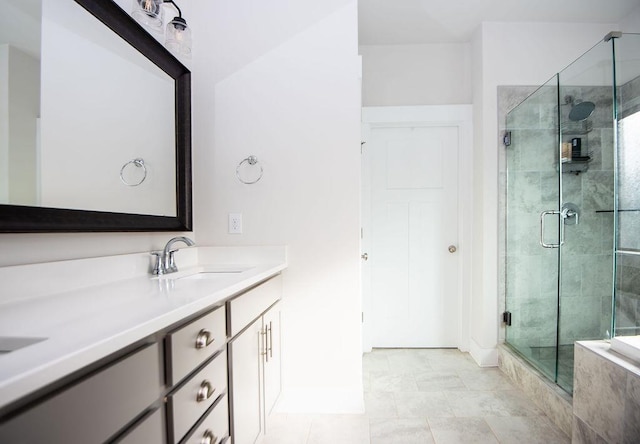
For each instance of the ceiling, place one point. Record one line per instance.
(404, 22)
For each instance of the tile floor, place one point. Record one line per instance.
(424, 396)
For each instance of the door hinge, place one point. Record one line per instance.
(506, 139)
(506, 318)
(363, 317)
(362, 146)
(361, 233)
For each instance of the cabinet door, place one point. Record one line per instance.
(272, 358)
(245, 380)
(94, 409)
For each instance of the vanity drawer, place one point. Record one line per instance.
(192, 344)
(215, 428)
(187, 404)
(247, 307)
(93, 409)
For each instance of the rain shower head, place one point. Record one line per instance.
(581, 111)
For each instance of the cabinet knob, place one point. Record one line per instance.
(205, 391)
(365, 256)
(204, 339)
(452, 249)
(208, 437)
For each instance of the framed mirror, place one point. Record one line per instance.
(95, 133)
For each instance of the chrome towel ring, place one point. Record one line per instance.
(138, 163)
(249, 161)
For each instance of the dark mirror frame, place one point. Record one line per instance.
(26, 219)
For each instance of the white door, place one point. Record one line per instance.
(414, 300)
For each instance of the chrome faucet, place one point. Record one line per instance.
(165, 261)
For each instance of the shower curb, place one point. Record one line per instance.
(557, 404)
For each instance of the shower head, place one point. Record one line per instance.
(581, 111)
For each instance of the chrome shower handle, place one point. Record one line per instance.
(570, 214)
(542, 242)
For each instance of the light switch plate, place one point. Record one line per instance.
(235, 223)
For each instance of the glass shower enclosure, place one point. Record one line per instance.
(572, 208)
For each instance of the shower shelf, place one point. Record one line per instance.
(576, 165)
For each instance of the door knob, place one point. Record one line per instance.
(364, 256)
(452, 249)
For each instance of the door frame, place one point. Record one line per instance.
(459, 116)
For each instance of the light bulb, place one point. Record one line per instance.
(178, 37)
(149, 13)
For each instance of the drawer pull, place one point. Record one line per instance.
(270, 330)
(208, 438)
(205, 391)
(204, 339)
(263, 335)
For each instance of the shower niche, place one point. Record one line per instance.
(569, 257)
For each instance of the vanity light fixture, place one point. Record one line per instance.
(149, 13)
(177, 34)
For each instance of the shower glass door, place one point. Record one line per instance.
(627, 289)
(586, 257)
(533, 228)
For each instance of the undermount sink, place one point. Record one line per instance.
(210, 275)
(13, 343)
(206, 272)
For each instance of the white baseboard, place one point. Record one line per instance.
(484, 357)
(325, 401)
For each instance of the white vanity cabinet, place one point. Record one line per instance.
(254, 356)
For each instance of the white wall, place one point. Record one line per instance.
(478, 323)
(4, 123)
(631, 23)
(297, 108)
(24, 101)
(507, 54)
(233, 33)
(19, 106)
(429, 74)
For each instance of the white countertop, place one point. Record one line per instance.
(86, 324)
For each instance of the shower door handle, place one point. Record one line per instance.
(542, 242)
